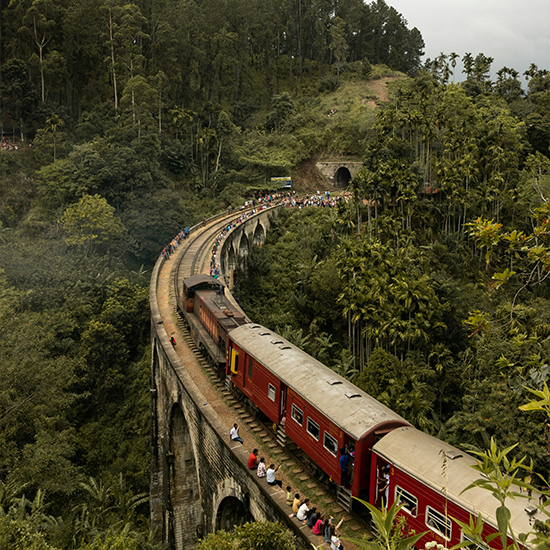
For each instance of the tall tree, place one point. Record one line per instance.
(39, 24)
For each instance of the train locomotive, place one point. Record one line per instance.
(323, 414)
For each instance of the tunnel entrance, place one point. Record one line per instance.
(343, 177)
(231, 513)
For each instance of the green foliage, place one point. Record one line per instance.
(20, 535)
(543, 403)
(391, 531)
(90, 221)
(261, 535)
(50, 141)
(36, 395)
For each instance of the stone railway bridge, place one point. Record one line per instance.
(200, 481)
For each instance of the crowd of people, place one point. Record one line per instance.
(172, 246)
(250, 207)
(288, 200)
(324, 200)
(321, 525)
(7, 145)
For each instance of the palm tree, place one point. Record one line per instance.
(391, 536)
(453, 56)
(468, 62)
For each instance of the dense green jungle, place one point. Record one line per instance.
(122, 123)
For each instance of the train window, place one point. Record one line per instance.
(297, 415)
(250, 368)
(330, 444)
(313, 428)
(271, 392)
(437, 522)
(409, 502)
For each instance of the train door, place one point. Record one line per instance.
(380, 488)
(282, 409)
(234, 364)
(351, 463)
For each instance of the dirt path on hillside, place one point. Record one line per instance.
(379, 89)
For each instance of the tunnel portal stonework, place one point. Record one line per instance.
(339, 173)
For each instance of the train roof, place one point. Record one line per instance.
(202, 279)
(421, 456)
(343, 403)
(224, 311)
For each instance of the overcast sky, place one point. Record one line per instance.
(515, 33)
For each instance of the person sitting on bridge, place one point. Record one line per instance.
(253, 460)
(303, 510)
(234, 434)
(261, 468)
(270, 474)
(311, 517)
(296, 503)
(318, 526)
(289, 495)
(335, 543)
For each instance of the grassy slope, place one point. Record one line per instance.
(353, 107)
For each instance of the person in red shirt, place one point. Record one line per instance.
(253, 459)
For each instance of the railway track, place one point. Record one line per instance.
(195, 259)
(198, 246)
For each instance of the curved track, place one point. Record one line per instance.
(193, 256)
(196, 255)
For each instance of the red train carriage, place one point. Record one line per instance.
(321, 411)
(210, 315)
(428, 476)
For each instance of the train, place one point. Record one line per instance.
(324, 414)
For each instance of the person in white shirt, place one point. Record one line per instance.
(271, 476)
(303, 510)
(234, 434)
(261, 468)
(335, 543)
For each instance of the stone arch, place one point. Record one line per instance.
(243, 246)
(342, 176)
(259, 235)
(231, 513)
(184, 510)
(231, 506)
(231, 259)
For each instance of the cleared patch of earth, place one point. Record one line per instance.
(379, 89)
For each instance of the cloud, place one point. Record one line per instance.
(514, 33)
